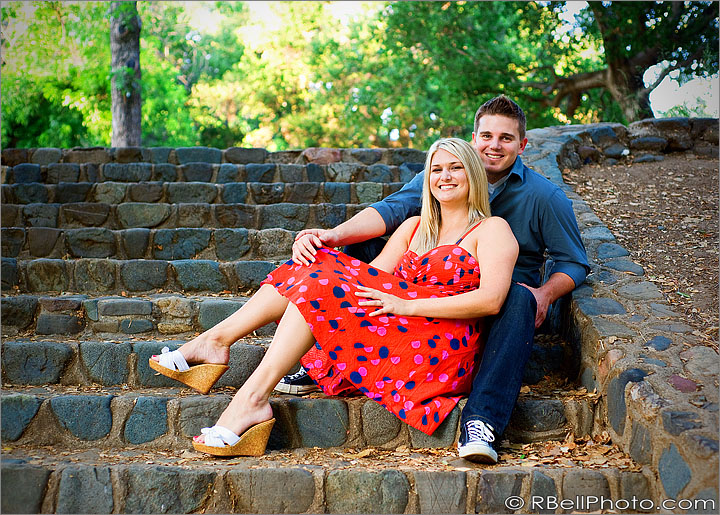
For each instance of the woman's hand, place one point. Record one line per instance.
(385, 302)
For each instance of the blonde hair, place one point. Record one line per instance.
(426, 237)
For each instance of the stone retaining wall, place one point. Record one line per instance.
(659, 396)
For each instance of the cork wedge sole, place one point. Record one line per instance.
(200, 377)
(252, 442)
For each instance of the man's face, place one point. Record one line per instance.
(498, 144)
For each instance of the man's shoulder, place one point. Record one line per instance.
(536, 184)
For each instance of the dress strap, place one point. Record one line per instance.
(471, 230)
(413, 234)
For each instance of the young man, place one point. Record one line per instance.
(541, 218)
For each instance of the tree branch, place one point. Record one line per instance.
(572, 86)
(681, 64)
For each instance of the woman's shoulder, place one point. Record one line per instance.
(412, 221)
(493, 227)
(493, 223)
(409, 224)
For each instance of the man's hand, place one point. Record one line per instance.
(543, 303)
(309, 240)
(557, 285)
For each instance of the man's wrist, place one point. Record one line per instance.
(558, 285)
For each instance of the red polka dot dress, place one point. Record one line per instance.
(416, 367)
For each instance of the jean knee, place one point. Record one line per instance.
(521, 299)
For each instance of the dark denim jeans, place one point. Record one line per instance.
(497, 383)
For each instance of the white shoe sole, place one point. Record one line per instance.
(478, 454)
(293, 389)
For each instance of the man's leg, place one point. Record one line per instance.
(497, 384)
(300, 383)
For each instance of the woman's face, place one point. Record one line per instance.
(448, 180)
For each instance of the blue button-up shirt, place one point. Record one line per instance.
(538, 212)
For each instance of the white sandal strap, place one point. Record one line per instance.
(173, 360)
(219, 436)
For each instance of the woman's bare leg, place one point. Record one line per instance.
(251, 404)
(213, 346)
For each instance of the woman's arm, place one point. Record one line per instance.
(496, 250)
(396, 246)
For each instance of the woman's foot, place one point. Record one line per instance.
(244, 411)
(204, 349)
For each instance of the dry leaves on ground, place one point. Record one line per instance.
(666, 215)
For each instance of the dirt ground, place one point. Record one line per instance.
(666, 215)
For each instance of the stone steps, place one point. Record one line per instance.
(323, 481)
(113, 192)
(78, 173)
(114, 349)
(113, 276)
(128, 215)
(205, 164)
(141, 243)
(110, 362)
(167, 418)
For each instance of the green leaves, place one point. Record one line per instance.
(300, 74)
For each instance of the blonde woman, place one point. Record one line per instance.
(405, 330)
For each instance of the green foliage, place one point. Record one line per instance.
(461, 54)
(298, 75)
(55, 86)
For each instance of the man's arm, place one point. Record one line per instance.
(377, 220)
(565, 247)
(365, 225)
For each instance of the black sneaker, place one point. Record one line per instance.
(477, 442)
(298, 383)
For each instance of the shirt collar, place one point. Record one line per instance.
(518, 168)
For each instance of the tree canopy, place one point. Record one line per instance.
(300, 74)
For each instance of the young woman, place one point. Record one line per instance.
(405, 330)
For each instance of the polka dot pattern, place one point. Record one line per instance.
(416, 367)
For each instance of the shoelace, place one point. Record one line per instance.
(479, 430)
(297, 375)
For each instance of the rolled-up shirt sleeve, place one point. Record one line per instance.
(401, 205)
(562, 239)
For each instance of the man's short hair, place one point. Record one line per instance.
(503, 106)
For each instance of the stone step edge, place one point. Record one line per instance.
(123, 361)
(257, 193)
(147, 276)
(313, 156)
(109, 364)
(56, 173)
(217, 244)
(249, 485)
(163, 314)
(131, 215)
(167, 419)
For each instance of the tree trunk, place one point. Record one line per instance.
(628, 90)
(125, 85)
